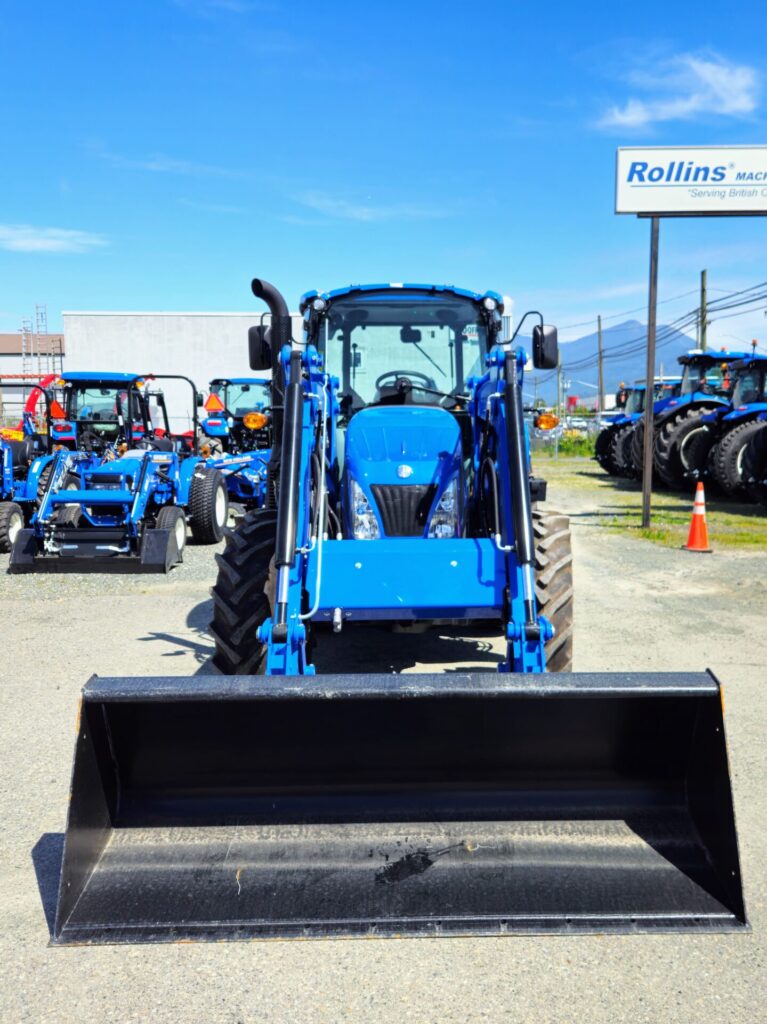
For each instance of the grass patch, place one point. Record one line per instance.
(731, 524)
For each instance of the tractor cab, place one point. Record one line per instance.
(238, 413)
(708, 374)
(101, 410)
(403, 357)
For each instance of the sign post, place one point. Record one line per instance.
(683, 181)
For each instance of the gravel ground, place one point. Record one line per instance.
(638, 606)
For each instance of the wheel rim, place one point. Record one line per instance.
(180, 529)
(15, 525)
(685, 443)
(220, 506)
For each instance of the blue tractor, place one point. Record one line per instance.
(279, 802)
(721, 448)
(706, 386)
(119, 499)
(239, 414)
(24, 455)
(619, 439)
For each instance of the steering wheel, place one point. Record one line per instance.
(403, 379)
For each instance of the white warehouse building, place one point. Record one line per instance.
(201, 346)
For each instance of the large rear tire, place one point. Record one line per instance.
(208, 505)
(554, 585)
(677, 451)
(11, 522)
(728, 456)
(244, 593)
(602, 449)
(754, 464)
(620, 453)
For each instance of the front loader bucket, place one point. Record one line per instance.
(96, 550)
(230, 808)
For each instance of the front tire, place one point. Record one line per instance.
(11, 523)
(208, 505)
(554, 585)
(728, 457)
(676, 452)
(171, 517)
(755, 464)
(244, 594)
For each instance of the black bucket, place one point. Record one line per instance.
(226, 808)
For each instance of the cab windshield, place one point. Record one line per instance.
(711, 380)
(635, 401)
(749, 387)
(240, 399)
(382, 346)
(102, 405)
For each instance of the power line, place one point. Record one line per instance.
(626, 312)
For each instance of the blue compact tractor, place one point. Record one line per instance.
(24, 456)
(239, 414)
(279, 802)
(120, 497)
(706, 386)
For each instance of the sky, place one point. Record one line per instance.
(158, 154)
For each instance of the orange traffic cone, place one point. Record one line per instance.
(697, 539)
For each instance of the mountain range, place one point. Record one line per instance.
(618, 367)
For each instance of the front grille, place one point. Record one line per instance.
(404, 508)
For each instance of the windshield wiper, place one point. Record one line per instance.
(427, 356)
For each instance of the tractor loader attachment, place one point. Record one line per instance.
(241, 807)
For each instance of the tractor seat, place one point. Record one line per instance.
(22, 452)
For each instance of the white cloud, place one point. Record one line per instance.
(161, 163)
(26, 238)
(686, 87)
(345, 209)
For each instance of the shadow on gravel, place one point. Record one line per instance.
(364, 648)
(197, 620)
(47, 854)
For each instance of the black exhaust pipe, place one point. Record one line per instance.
(280, 334)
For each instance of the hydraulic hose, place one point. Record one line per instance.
(289, 494)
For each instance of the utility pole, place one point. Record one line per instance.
(652, 308)
(601, 380)
(703, 316)
(559, 387)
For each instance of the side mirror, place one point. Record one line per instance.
(545, 347)
(200, 400)
(259, 348)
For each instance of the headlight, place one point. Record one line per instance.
(364, 522)
(444, 521)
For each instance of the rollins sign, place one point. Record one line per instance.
(689, 180)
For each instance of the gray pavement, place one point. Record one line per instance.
(638, 607)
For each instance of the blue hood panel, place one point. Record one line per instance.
(403, 444)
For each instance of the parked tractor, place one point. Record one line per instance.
(23, 451)
(277, 802)
(120, 499)
(729, 429)
(707, 382)
(616, 442)
(239, 414)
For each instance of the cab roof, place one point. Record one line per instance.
(83, 376)
(751, 360)
(240, 380)
(710, 358)
(426, 290)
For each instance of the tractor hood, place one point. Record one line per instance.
(403, 445)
